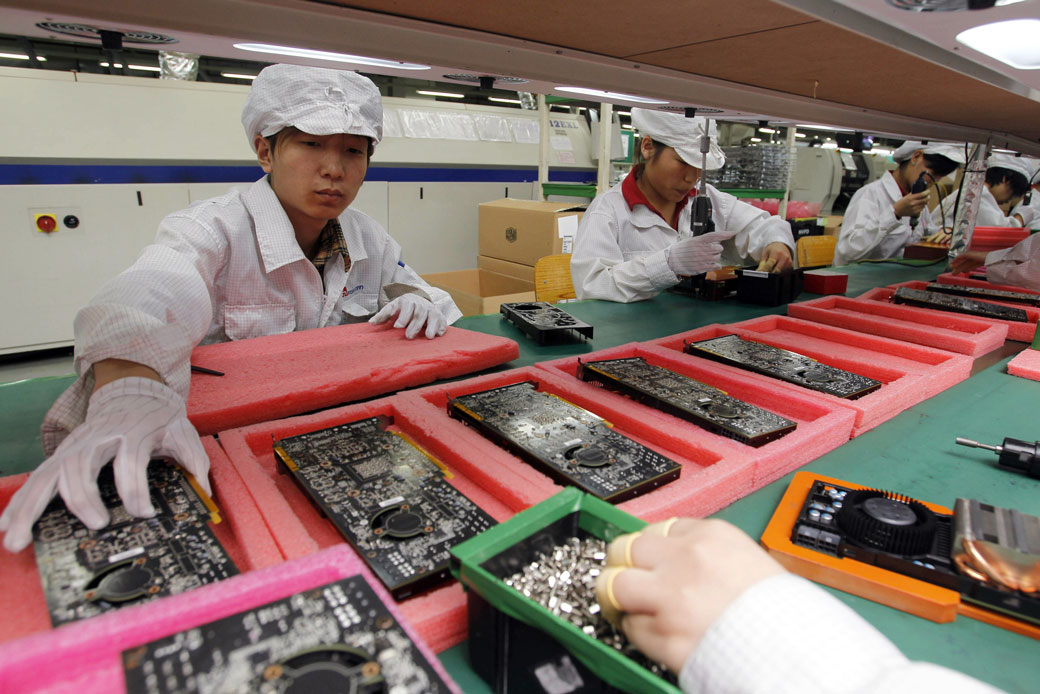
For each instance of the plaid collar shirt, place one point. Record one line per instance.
(330, 243)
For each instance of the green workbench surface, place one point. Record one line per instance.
(913, 453)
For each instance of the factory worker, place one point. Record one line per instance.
(1018, 265)
(700, 597)
(635, 239)
(884, 216)
(1007, 178)
(287, 254)
(1028, 208)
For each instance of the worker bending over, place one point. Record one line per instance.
(1007, 178)
(885, 216)
(635, 240)
(287, 254)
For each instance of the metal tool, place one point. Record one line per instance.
(700, 220)
(1016, 454)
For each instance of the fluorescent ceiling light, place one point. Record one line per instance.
(756, 139)
(844, 149)
(237, 76)
(609, 95)
(623, 113)
(503, 100)
(768, 131)
(810, 126)
(800, 135)
(829, 145)
(146, 68)
(1012, 42)
(326, 55)
(117, 65)
(1004, 151)
(450, 95)
(626, 126)
(19, 56)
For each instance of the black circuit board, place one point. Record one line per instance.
(544, 322)
(389, 500)
(957, 304)
(688, 399)
(336, 638)
(985, 293)
(784, 365)
(132, 560)
(903, 536)
(568, 443)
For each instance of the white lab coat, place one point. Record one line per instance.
(870, 228)
(619, 254)
(989, 214)
(1018, 265)
(1030, 213)
(229, 268)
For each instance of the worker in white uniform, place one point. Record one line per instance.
(1028, 208)
(884, 216)
(287, 254)
(1007, 178)
(635, 241)
(700, 597)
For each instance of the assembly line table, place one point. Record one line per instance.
(913, 453)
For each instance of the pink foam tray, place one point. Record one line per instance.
(86, 656)
(908, 373)
(241, 532)
(1026, 364)
(282, 375)
(1021, 332)
(714, 471)
(299, 528)
(949, 331)
(822, 426)
(965, 281)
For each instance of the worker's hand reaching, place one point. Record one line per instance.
(940, 237)
(697, 255)
(413, 312)
(131, 420)
(968, 261)
(910, 205)
(776, 257)
(666, 585)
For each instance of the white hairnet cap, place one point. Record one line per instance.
(951, 151)
(681, 134)
(315, 100)
(1006, 161)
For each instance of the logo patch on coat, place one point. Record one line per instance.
(348, 292)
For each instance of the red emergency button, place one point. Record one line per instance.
(46, 223)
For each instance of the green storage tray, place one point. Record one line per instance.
(482, 562)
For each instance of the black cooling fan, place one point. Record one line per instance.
(888, 522)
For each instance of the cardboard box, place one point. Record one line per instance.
(833, 225)
(522, 231)
(504, 267)
(480, 291)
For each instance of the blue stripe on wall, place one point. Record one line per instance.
(62, 174)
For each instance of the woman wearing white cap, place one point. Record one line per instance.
(883, 216)
(285, 255)
(1007, 178)
(635, 240)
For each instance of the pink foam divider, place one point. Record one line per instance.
(1026, 364)
(988, 239)
(822, 426)
(964, 280)
(940, 368)
(948, 331)
(282, 375)
(299, 528)
(901, 388)
(86, 656)
(1021, 332)
(713, 472)
(241, 532)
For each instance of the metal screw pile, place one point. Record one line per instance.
(564, 582)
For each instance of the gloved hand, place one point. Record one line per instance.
(697, 255)
(132, 420)
(413, 311)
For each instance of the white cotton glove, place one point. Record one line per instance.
(413, 311)
(697, 255)
(131, 420)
